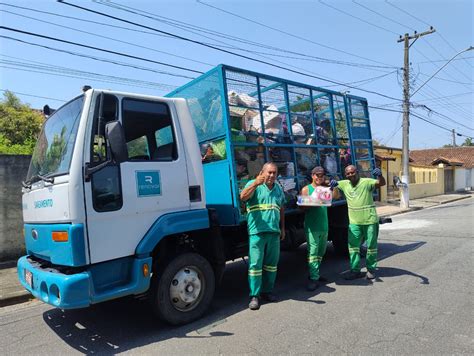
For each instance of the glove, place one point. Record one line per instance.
(377, 172)
(333, 184)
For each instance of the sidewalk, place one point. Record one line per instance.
(11, 291)
(393, 208)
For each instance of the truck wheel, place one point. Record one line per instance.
(183, 290)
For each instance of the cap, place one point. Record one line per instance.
(318, 170)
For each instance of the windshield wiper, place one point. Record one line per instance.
(36, 178)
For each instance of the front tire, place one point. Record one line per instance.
(182, 290)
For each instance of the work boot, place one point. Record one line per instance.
(312, 285)
(353, 275)
(254, 303)
(370, 274)
(269, 297)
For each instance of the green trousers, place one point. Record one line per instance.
(316, 242)
(357, 235)
(264, 253)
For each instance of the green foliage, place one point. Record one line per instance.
(6, 147)
(19, 125)
(468, 142)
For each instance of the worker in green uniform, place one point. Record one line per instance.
(316, 229)
(363, 219)
(266, 226)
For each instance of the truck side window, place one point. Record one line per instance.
(148, 130)
(109, 113)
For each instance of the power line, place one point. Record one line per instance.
(454, 66)
(381, 15)
(46, 68)
(186, 26)
(288, 33)
(101, 59)
(418, 19)
(98, 49)
(444, 60)
(34, 96)
(454, 49)
(407, 13)
(445, 80)
(108, 38)
(222, 50)
(431, 93)
(365, 81)
(444, 116)
(358, 18)
(172, 22)
(417, 116)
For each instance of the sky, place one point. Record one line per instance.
(336, 44)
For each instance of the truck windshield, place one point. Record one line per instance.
(53, 151)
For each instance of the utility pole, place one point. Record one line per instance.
(404, 199)
(454, 138)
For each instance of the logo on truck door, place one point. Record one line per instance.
(148, 183)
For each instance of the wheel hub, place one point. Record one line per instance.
(185, 289)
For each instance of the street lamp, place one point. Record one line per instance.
(439, 70)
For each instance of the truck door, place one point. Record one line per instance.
(123, 201)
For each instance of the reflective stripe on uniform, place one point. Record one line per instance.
(269, 268)
(315, 259)
(361, 207)
(260, 207)
(255, 272)
(372, 251)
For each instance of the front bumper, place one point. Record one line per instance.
(98, 283)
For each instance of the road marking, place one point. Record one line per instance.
(406, 224)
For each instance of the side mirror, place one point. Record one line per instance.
(47, 111)
(116, 139)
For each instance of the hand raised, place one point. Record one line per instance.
(333, 184)
(260, 179)
(377, 172)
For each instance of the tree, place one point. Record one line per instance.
(468, 142)
(19, 125)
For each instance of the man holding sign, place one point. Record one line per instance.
(316, 224)
(266, 225)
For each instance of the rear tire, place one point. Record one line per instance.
(182, 290)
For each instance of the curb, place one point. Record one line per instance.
(455, 199)
(415, 208)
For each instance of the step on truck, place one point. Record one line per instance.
(129, 194)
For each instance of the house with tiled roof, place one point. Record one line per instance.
(458, 163)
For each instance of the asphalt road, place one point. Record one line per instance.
(422, 303)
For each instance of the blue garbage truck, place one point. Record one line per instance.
(128, 194)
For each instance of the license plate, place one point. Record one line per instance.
(29, 278)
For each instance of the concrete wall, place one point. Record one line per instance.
(13, 169)
(463, 179)
(429, 182)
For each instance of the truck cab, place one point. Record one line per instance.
(92, 215)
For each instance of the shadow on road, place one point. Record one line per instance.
(397, 272)
(127, 323)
